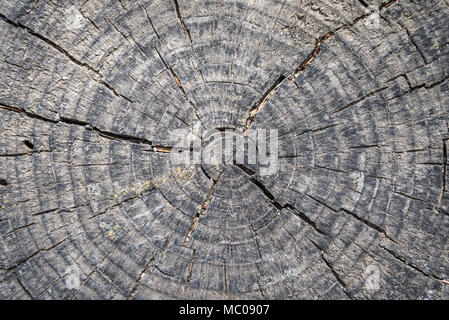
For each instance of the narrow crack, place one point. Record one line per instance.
(371, 94)
(369, 224)
(275, 202)
(33, 255)
(418, 49)
(267, 193)
(149, 19)
(305, 219)
(88, 126)
(331, 268)
(263, 100)
(139, 279)
(189, 271)
(24, 289)
(178, 83)
(181, 21)
(107, 134)
(409, 264)
(19, 228)
(363, 3)
(316, 130)
(292, 76)
(276, 85)
(387, 4)
(355, 216)
(245, 169)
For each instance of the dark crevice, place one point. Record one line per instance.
(204, 206)
(267, 193)
(321, 202)
(32, 256)
(189, 270)
(107, 85)
(139, 279)
(64, 52)
(305, 219)
(363, 3)
(408, 196)
(418, 49)
(339, 280)
(181, 21)
(162, 272)
(317, 129)
(25, 289)
(28, 144)
(443, 176)
(420, 86)
(245, 169)
(45, 212)
(106, 134)
(178, 83)
(331, 268)
(49, 42)
(362, 220)
(313, 55)
(272, 90)
(387, 4)
(27, 113)
(204, 172)
(369, 146)
(369, 224)
(262, 101)
(336, 276)
(151, 22)
(428, 86)
(3, 182)
(360, 99)
(288, 206)
(71, 121)
(20, 228)
(404, 261)
(206, 202)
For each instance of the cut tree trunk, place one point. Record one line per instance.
(93, 207)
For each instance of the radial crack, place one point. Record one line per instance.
(189, 270)
(369, 224)
(280, 207)
(178, 83)
(181, 21)
(204, 207)
(292, 76)
(443, 177)
(87, 125)
(409, 264)
(331, 268)
(65, 53)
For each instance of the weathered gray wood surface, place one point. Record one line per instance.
(90, 89)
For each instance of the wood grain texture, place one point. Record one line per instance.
(91, 90)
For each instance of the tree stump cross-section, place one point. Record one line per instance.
(93, 207)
